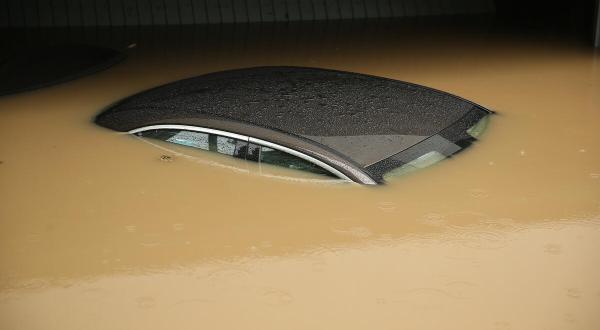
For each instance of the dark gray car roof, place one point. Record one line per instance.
(365, 118)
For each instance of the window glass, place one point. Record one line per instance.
(221, 144)
(159, 134)
(253, 152)
(187, 138)
(283, 159)
(190, 139)
(236, 148)
(226, 145)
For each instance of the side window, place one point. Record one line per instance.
(190, 139)
(253, 153)
(234, 147)
(225, 145)
(204, 141)
(283, 159)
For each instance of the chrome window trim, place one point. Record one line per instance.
(268, 144)
(191, 128)
(300, 155)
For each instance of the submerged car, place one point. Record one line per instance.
(350, 126)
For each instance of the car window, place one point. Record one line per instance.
(221, 144)
(190, 139)
(234, 147)
(226, 145)
(283, 159)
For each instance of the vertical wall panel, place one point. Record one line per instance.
(447, 7)
(130, 8)
(306, 10)
(176, 12)
(266, 11)
(436, 8)
(346, 9)
(384, 7)
(477, 7)
(597, 26)
(102, 13)
(59, 10)
(280, 10)
(320, 10)
(253, 10)
(186, 12)
(3, 13)
(30, 13)
(226, 11)
(214, 11)
(371, 8)
(172, 12)
(88, 15)
(461, 6)
(333, 10)
(358, 9)
(420, 7)
(293, 8)
(410, 8)
(45, 11)
(117, 15)
(144, 8)
(240, 10)
(200, 11)
(466, 6)
(15, 11)
(157, 9)
(74, 16)
(397, 9)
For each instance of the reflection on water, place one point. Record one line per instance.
(96, 228)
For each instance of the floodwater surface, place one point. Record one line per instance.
(99, 230)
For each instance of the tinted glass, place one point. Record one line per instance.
(221, 144)
(253, 153)
(226, 145)
(233, 147)
(283, 159)
(190, 139)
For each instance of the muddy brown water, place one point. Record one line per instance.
(97, 232)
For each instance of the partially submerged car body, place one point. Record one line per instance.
(356, 126)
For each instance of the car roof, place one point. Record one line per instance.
(365, 118)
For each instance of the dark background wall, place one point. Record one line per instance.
(581, 17)
(48, 13)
